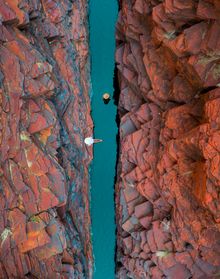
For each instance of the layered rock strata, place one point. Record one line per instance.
(45, 115)
(167, 192)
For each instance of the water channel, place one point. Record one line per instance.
(102, 18)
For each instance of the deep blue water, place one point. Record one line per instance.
(103, 14)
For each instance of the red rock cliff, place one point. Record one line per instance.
(44, 108)
(167, 193)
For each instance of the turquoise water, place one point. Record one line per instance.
(103, 14)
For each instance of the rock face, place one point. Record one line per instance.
(167, 192)
(45, 115)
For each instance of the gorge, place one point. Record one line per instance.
(103, 15)
(56, 61)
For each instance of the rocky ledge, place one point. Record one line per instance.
(45, 115)
(167, 192)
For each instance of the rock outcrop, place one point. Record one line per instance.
(45, 115)
(167, 192)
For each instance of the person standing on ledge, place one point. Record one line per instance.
(106, 98)
(90, 141)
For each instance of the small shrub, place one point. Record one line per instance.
(162, 254)
(35, 219)
(5, 234)
(170, 35)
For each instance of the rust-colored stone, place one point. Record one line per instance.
(168, 175)
(44, 88)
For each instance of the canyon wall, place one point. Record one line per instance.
(167, 191)
(45, 115)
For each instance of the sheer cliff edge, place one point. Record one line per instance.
(45, 115)
(167, 192)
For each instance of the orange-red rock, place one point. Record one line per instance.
(44, 88)
(168, 173)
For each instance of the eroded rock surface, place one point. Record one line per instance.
(45, 115)
(167, 193)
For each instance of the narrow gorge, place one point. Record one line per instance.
(102, 20)
(61, 214)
